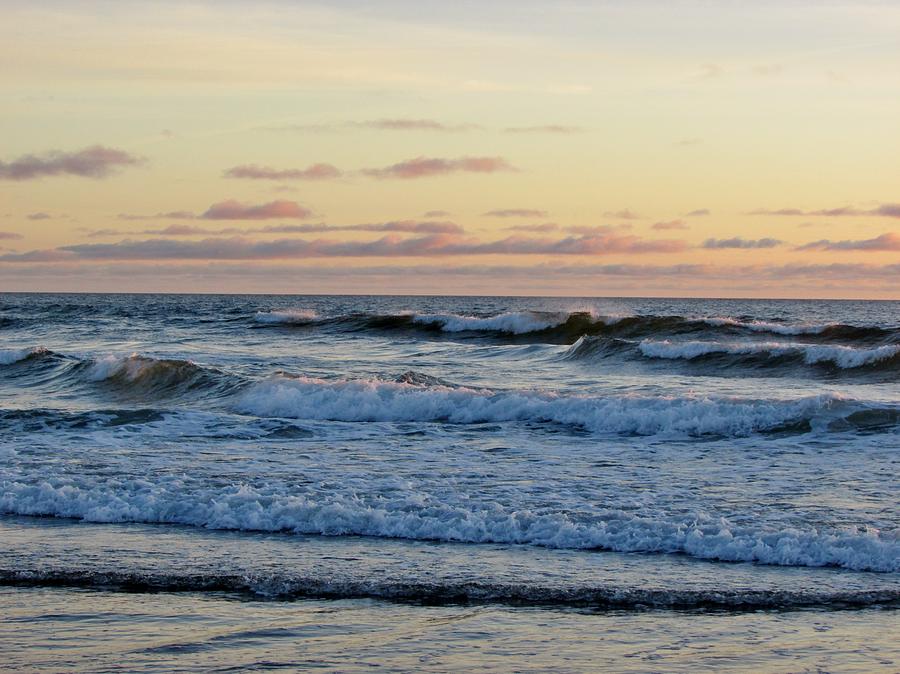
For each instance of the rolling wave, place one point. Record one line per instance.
(772, 356)
(567, 327)
(419, 516)
(385, 401)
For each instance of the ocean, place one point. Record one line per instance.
(236, 482)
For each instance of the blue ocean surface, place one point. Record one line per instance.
(551, 476)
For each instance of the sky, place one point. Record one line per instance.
(571, 148)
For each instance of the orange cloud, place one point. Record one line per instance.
(231, 209)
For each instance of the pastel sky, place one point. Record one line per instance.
(644, 148)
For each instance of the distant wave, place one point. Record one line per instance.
(422, 517)
(286, 316)
(567, 327)
(772, 357)
(844, 357)
(282, 585)
(376, 400)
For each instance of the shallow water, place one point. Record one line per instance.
(518, 455)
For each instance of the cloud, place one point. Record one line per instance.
(403, 124)
(171, 215)
(887, 210)
(624, 214)
(670, 224)
(9, 236)
(412, 226)
(392, 245)
(543, 227)
(517, 213)
(40, 215)
(700, 212)
(436, 214)
(545, 128)
(96, 161)
(255, 172)
(421, 167)
(738, 242)
(230, 209)
(886, 242)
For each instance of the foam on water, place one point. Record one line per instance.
(845, 357)
(10, 356)
(517, 322)
(420, 516)
(287, 316)
(375, 400)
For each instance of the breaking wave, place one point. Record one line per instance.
(567, 327)
(773, 357)
(286, 316)
(376, 400)
(418, 516)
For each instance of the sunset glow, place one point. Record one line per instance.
(527, 148)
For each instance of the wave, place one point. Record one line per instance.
(134, 375)
(514, 323)
(567, 327)
(286, 317)
(384, 401)
(421, 517)
(287, 586)
(11, 356)
(844, 357)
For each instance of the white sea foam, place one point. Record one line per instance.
(287, 316)
(764, 326)
(10, 356)
(375, 400)
(845, 357)
(420, 516)
(516, 322)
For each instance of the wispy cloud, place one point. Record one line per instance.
(670, 224)
(517, 213)
(422, 167)
(256, 172)
(169, 215)
(96, 162)
(393, 245)
(624, 214)
(410, 226)
(886, 242)
(9, 236)
(699, 213)
(738, 242)
(435, 214)
(404, 124)
(887, 210)
(40, 215)
(543, 227)
(545, 128)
